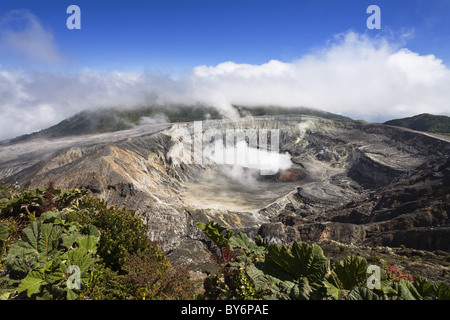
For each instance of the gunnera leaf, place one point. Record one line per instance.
(4, 231)
(32, 283)
(242, 241)
(297, 261)
(218, 234)
(49, 237)
(350, 273)
(361, 293)
(49, 216)
(40, 241)
(404, 290)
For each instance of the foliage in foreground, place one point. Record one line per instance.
(257, 270)
(64, 244)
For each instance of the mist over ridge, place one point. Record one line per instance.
(353, 75)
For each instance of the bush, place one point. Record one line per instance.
(146, 277)
(123, 233)
(258, 270)
(105, 249)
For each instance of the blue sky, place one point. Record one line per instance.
(174, 35)
(314, 53)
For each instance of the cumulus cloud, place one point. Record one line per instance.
(353, 75)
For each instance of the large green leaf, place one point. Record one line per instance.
(442, 291)
(72, 266)
(5, 294)
(349, 273)
(81, 262)
(38, 245)
(68, 240)
(21, 257)
(80, 258)
(71, 295)
(274, 288)
(42, 237)
(279, 262)
(422, 286)
(4, 231)
(333, 291)
(48, 238)
(87, 243)
(263, 283)
(405, 290)
(361, 293)
(87, 239)
(49, 216)
(31, 235)
(301, 290)
(294, 272)
(297, 261)
(32, 283)
(242, 241)
(218, 234)
(91, 230)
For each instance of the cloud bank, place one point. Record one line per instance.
(353, 75)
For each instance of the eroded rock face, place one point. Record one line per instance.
(349, 182)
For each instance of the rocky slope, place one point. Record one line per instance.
(351, 183)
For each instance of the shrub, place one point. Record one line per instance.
(123, 233)
(50, 249)
(145, 277)
(300, 271)
(395, 275)
(105, 249)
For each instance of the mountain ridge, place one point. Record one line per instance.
(116, 119)
(424, 122)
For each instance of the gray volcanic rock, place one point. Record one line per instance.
(355, 183)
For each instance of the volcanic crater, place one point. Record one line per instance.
(349, 182)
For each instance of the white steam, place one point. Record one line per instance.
(157, 118)
(242, 156)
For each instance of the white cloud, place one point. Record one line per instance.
(352, 75)
(22, 35)
(30, 102)
(355, 75)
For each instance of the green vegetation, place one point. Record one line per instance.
(64, 244)
(257, 270)
(424, 122)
